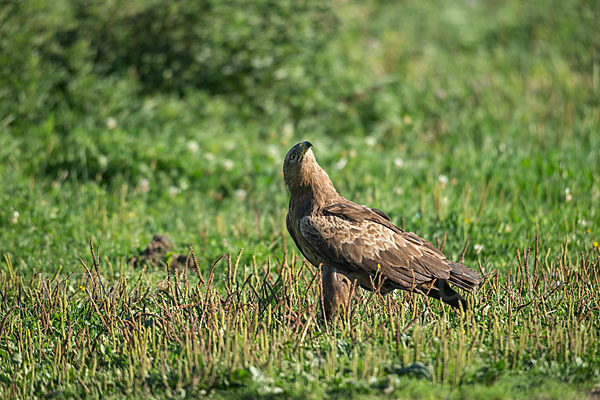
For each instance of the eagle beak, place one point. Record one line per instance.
(304, 146)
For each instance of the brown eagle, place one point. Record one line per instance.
(356, 243)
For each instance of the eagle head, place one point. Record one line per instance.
(298, 165)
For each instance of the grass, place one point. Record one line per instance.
(469, 121)
(258, 333)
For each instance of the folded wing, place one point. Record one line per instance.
(355, 239)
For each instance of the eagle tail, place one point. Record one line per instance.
(463, 277)
(441, 290)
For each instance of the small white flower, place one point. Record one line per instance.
(15, 217)
(111, 123)
(370, 141)
(174, 191)
(398, 190)
(568, 196)
(287, 129)
(280, 73)
(478, 248)
(241, 194)
(273, 152)
(228, 164)
(144, 185)
(443, 180)
(193, 146)
(102, 160)
(209, 156)
(398, 162)
(445, 200)
(341, 164)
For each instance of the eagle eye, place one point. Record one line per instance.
(292, 156)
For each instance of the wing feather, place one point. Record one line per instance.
(359, 240)
(364, 245)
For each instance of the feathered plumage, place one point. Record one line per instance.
(354, 242)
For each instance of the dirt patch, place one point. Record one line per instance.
(158, 252)
(594, 394)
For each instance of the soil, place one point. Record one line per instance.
(156, 251)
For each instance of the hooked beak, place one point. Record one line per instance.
(304, 146)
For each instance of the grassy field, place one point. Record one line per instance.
(473, 121)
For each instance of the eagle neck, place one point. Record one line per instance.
(314, 192)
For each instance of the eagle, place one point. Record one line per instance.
(355, 243)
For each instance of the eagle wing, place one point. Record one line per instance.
(357, 239)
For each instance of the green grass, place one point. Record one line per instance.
(475, 120)
(530, 333)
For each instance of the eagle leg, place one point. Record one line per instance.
(336, 291)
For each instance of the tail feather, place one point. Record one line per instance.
(441, 290)
(463, 277)
(460, 276)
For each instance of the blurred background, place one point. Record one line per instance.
(120, 120)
